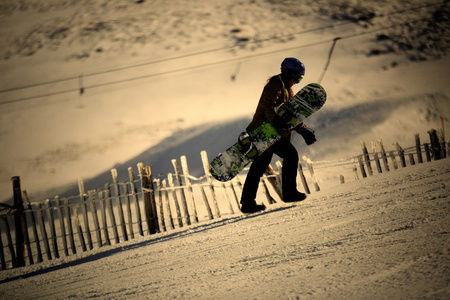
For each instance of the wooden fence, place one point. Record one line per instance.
(31, 232)
(381, 159)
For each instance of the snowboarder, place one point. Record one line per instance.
(277, 90)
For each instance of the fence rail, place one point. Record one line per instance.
(31, 232)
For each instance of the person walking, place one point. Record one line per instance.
(277, 90)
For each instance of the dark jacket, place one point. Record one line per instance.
(274, 94)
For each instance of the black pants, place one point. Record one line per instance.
(284, 149)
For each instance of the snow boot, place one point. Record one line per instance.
(249, 208)
(294, 197)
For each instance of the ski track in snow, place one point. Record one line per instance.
(382, 237)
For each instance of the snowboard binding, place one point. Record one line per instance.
(246, 145)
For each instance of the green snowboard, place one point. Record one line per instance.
(251, 144)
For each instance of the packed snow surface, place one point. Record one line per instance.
(384, 237)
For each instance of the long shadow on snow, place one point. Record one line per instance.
(329, 126)
(189, 142)
(335, 128)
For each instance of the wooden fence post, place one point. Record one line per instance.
(384, 156)
(34, 227)
(176, 167)
(205, 161)
(444, 149)
(270, 199)
(110, 209)
(184, 166)
(375, 157)
(274, 181)
(227, 196)
(401, 154)
(361, 166)
(427, 152)
(136, 200)
(18, 214)
(27, 239)
(235, 194)
(149, 198)
(51, 221)
(311, 171)
(394, 160)
(94, 214)
(435, 144)
(266, 192)
(26, 234)
(418, 148)
(168, 209)
(69, 226)
(303, 178)
(119, 204)
(205, 200)
(366, 158)
(129, 214)
(43, 231)
(175, 199)
(9, 240)
(267, 200)
(104, 222)
(161, 219)
(84, 212)
(79, 230)
(59, 210)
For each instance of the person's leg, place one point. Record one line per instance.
(257, 169)
(288, 153)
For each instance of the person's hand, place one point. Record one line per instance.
(308, 135)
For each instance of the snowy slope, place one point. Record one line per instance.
(163, 79)
(386, 237)
(155, 70)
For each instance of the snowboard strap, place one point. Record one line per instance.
(246, 145)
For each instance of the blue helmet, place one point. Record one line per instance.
(294, 68)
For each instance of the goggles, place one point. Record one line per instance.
(298, 78)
